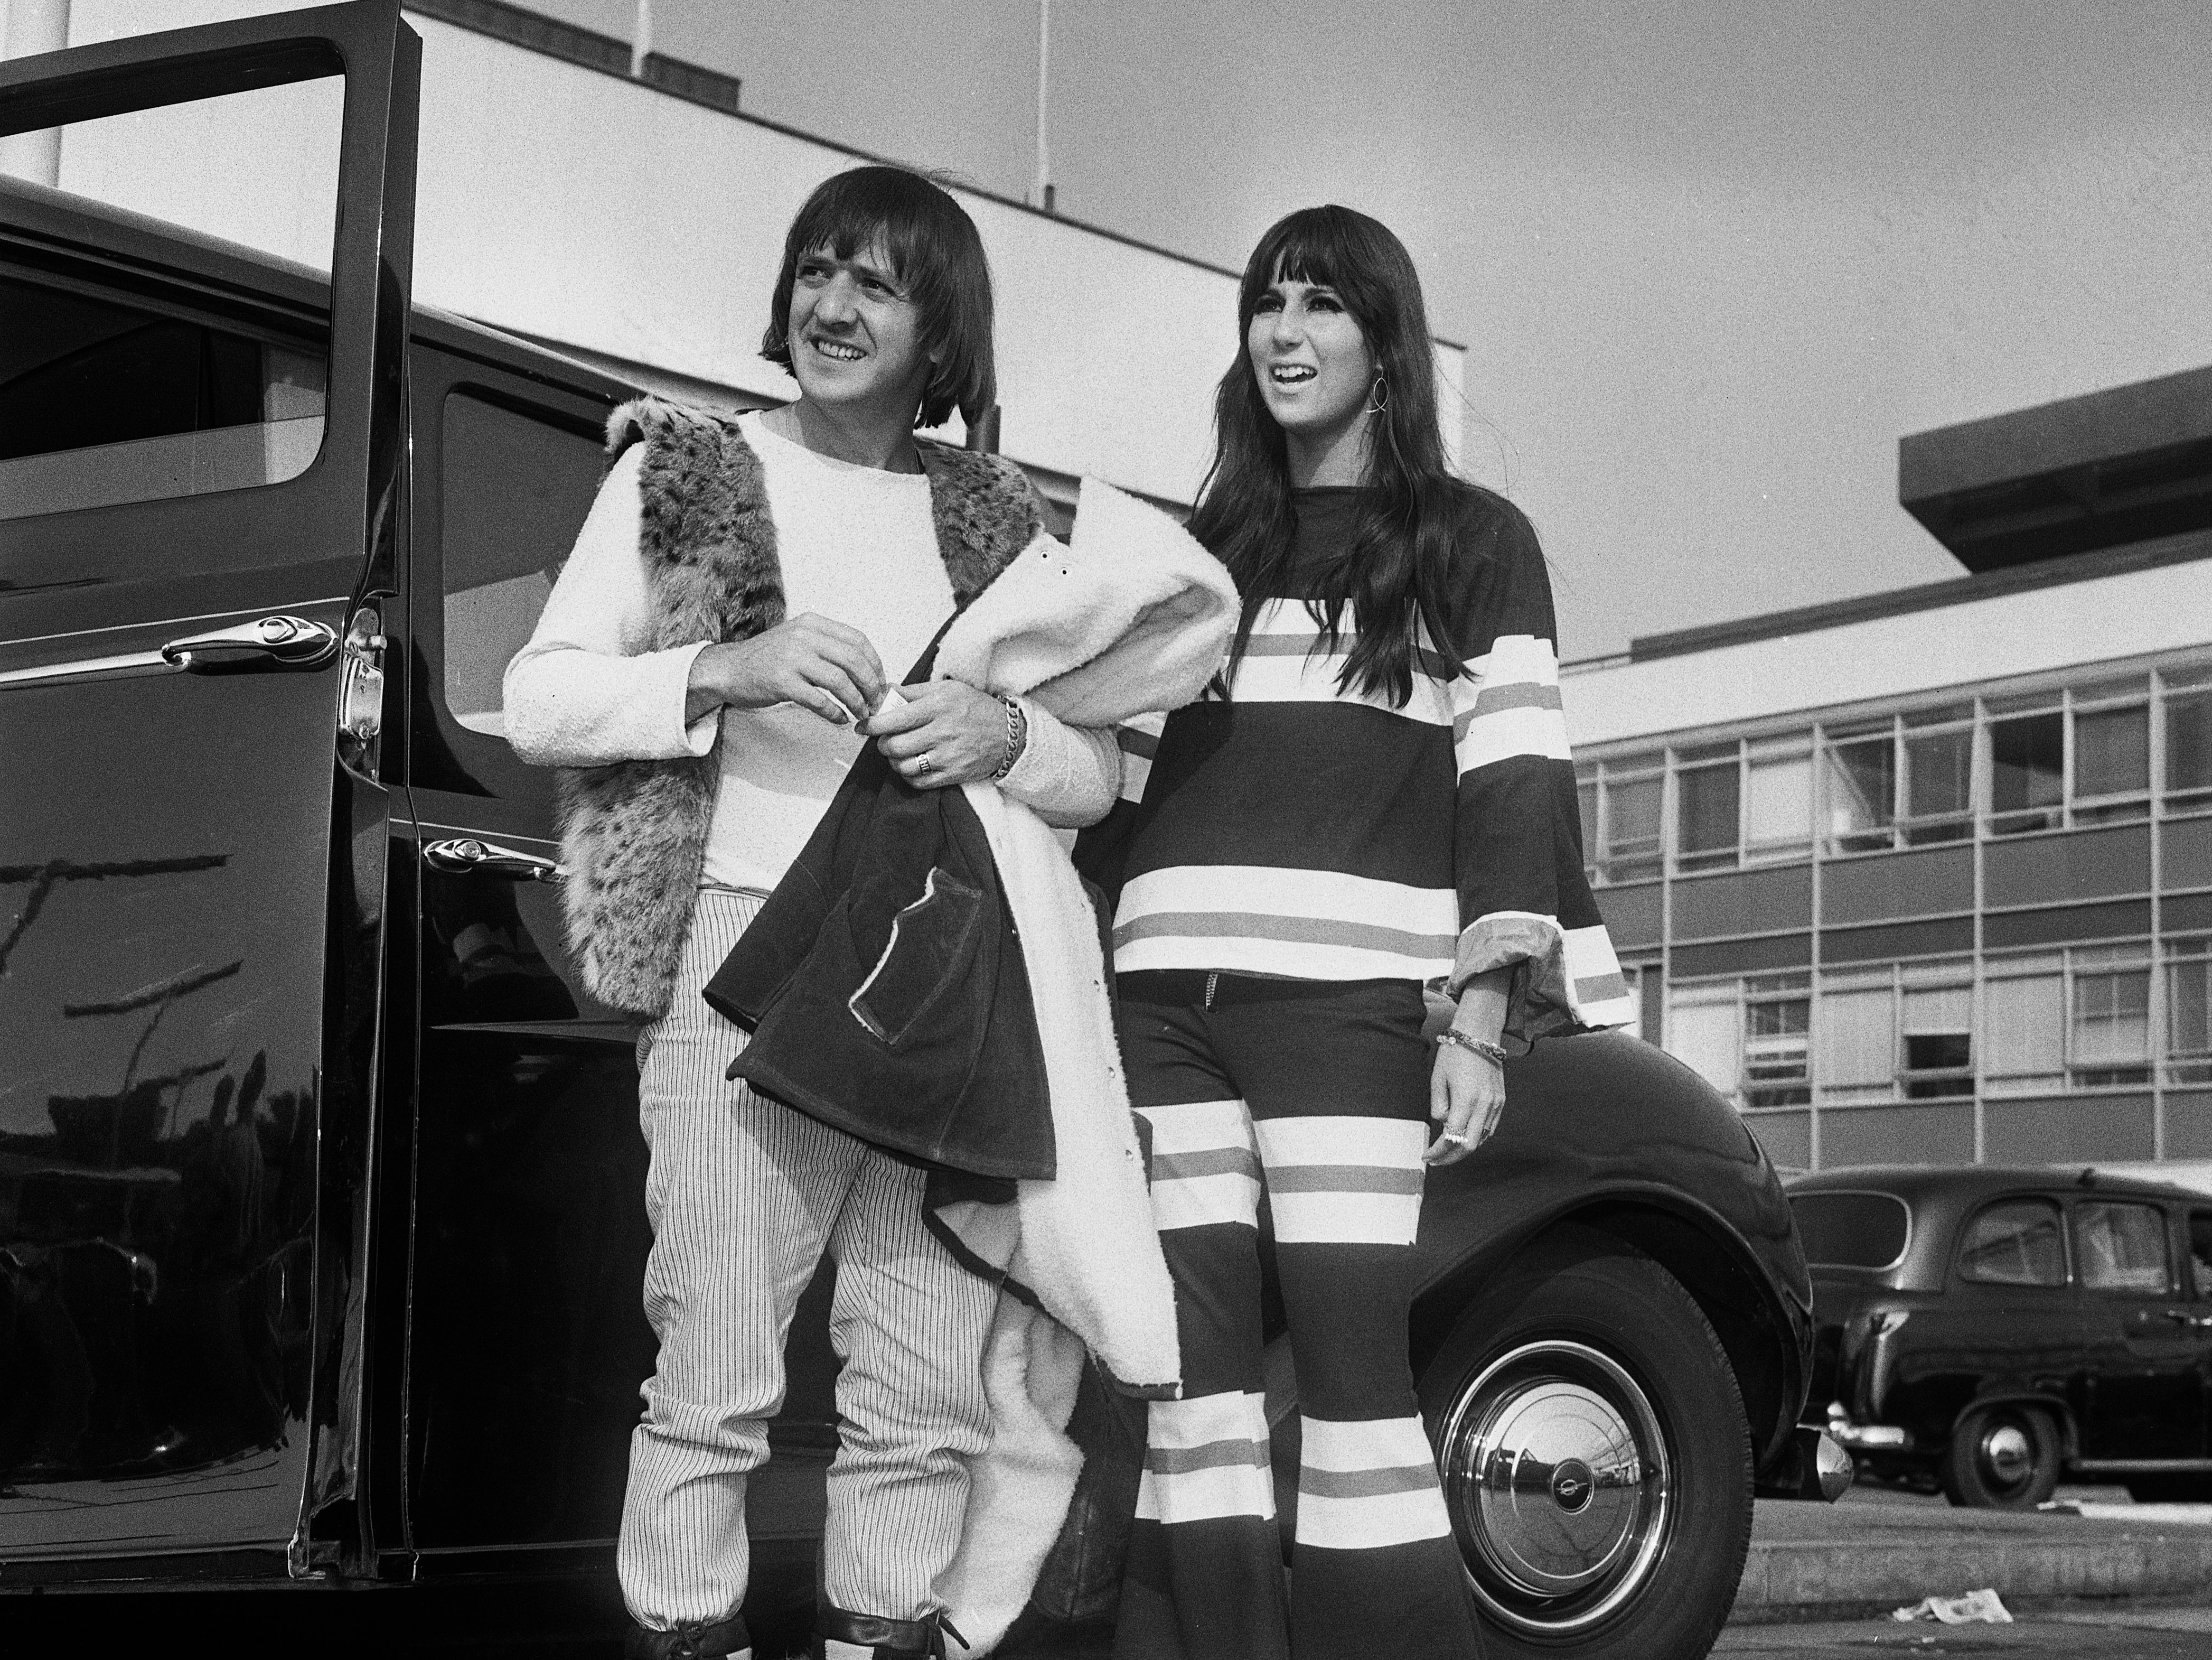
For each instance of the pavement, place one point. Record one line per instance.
(1878, 1548)
(2119, 1632)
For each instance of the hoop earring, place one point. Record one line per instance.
(1378, 397)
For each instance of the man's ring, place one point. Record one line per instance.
(1456, 1140)
(924, 764)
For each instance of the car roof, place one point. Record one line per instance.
(79, 223)
(1973, 1182)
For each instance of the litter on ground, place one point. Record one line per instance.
(1982, 1607)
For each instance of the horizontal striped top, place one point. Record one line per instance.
(1300, 831)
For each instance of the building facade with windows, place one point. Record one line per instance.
(1928, 876)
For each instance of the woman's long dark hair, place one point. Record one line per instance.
(1397, 569)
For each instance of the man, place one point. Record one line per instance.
(708, 665)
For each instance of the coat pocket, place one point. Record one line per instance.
(932, 945)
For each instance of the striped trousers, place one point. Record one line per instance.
(1319, 1092)
(744, 1195)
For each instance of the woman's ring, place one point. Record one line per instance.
(923, 765)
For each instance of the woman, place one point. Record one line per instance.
(1375, 795)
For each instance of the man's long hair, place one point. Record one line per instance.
(1396, 572)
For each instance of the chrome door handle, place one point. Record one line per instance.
(277, 643)
(470, 857)
(2194, 1322)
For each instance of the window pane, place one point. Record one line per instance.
(2120, 1247)
(1709, 816)
(103, 403)
(1939, 774)
(1631, 828)
(1856, 1039)
(516, 492)
(2111, 1017)
(1586, 800)
(2015, 1244)
(2112, 752)
(1705, 1033)
(2188, 742)
(2188, 1000)
(2024, 1029)
(1861, 789)
(1779, 809)
(2026, 760)
(1850, 1230)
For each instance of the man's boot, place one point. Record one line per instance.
(842, 1636)
(691, 1639)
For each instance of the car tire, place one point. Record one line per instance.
(1584, 1359)
(2002, 1457)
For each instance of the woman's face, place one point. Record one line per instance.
(855, 334)
(1311, 359)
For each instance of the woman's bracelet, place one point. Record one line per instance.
(1481, 1046)
(1018, 738)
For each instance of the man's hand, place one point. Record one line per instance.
(944, 733)
(1467, 1097)
(812, 661)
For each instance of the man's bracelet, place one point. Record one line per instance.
(1481, 1046)
(1018, 738)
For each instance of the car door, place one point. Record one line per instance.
(2141, 1356)
(528, 1339)
(201, 458)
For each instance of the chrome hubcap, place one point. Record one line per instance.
(2007, 1458)
(1557, 1476)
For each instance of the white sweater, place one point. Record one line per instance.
(856, 544)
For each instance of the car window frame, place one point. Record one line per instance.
(2068, 1281)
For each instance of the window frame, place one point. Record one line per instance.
(2057, 1208)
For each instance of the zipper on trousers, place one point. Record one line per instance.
(1212, 981)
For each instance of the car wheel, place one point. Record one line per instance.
(2002, 1457)
(1595, 1455)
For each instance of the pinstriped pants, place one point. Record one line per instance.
(744, 1195)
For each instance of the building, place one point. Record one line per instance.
(1928, 876)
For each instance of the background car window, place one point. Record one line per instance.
(1850, 1230)
(2015, 1243)
(104, 402)
(2200, 1250)
(516, 492)
(2120, 1247)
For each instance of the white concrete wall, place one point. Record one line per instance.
(587, 210)
(2039, 631)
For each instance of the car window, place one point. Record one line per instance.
(1850, 1230)
(516, 492)
(104, 401)
(2016, 1242)
(2200, 1251)
(2120, 1247)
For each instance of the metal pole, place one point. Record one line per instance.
(1045, 105)
(34, 27)
(640, 38)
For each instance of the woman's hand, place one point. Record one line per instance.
(945, 733)
(1467, 1097)
(816, 663)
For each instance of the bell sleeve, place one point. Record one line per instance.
(1524, 899)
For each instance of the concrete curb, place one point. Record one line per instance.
(1788, 1576)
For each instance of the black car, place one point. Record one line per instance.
(1990, 1330)
(321, 1215)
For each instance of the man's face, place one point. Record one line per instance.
(855, 334)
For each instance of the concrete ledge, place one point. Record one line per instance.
(1782, 1579)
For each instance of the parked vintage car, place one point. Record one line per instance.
(1990, 1330)
(321, 1217)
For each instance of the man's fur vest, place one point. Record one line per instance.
(634, 834)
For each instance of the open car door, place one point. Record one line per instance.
(202, 455)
